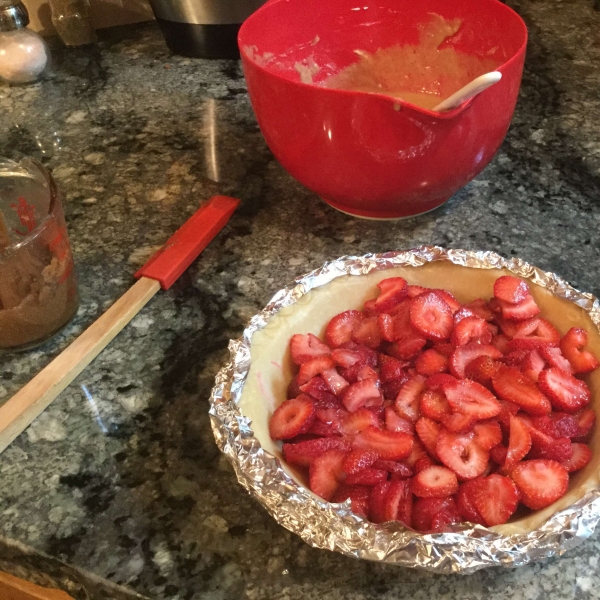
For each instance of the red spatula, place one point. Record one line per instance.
(162, 270)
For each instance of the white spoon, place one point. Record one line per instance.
(471, 89)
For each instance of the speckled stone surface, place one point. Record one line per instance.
(120, 476)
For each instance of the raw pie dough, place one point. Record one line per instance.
(272, 367)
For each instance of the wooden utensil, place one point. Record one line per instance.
(13, 588)
(162, 270)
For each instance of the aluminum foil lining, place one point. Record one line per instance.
(333, 526)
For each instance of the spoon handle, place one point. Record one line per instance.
(468, 91)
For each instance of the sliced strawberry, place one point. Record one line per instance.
(291, 418)
(314, 367)
(449, 299)
(391, 389)
(511, 289)
(463, 355)
(431, 362)
(580, 457)
(586, 420)
(391, 368)
(367, 372)
(564, 425)
(387, 327)
(488, 434)
(428, 432)
(541, 482)
(471, 398)
(377, 502)
(391, 466)
(407, 347)
(390, 445)
(293, 389)
(566, 393)
(496, 498)
(510, 384)
(306, 347)
(555, 358)
(519, 442)
(407, 400)
(392, 292)
(398, 502)
(572, 344)
(379, 411)
(498, 454)
(519, 312)
(393, 422)
(317, 389)
(345, 358)
(434, 514)
(418, 451)
(369, 308)
(466, 504)
(559, 450)
(359, 393)
(461, 453)
(500, 342)
(433, 404)
(412, 291)
(532, 365)
(544, 334)
(431, 316)
(367, 332)
(336, 383)
(423, 463)
(482, 369)
(508, 409)
(357, 460)
(358, 495)
(359, 420)
(340, 328)
(438, 381)
(434, 482)
(326, 473)
(302, 454)
(367, 477)
(323, 429)
(481, 309)
(538, 437)
(459, 423)
(515, 358)
(471, 329)
(368, 355)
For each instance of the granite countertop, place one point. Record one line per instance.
(118, 488)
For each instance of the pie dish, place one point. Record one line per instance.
(255, 383)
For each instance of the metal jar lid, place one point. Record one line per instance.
(13, 15)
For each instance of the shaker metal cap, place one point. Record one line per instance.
(13, 15)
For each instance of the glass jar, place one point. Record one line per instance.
(38, 285)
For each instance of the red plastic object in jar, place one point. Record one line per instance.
(368, 154)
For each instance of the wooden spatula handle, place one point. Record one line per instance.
(18, 412)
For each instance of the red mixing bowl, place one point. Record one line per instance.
(368, 154)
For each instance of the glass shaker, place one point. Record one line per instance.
(38, 285)
(24, 56)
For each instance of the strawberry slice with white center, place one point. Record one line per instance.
(391, 368)
(586, 420)
(510, 384)
(361, 419)
(435, 482)
(511, 289)
(431, 316)
(471, 398)
(463, 355)
(449, 299)
(359, 393)
(428, 432)
(392, 292)
(566, 393)
(367, 332)
(488, 434)
(345, 358)
(358, 460)
(291, 418)
(396, 468)
(580, 458)
(317, 389)
(544, 334)
(470, 329)
(377, 502)
(367, 372)
(390, 445)
(326, 473)
(460, 452)
(482, 369)
(533, 364)
(500, 342)
(386, 327)
(358, 495)
(554, 357)
(462, 313)
(393, 422)
(519, 443)
(336, 383)
(433, 404)
(434, 514)
(458, 423)
(572, 344)
(480, 307)
(466, 504)
(408, 347)
(541, 482)
(397, 503)
(496, 498)
(431, 362)
(340, 328)
(407, 400)
(303, 453)
(519, 312)
(314, 367)
(306, 347)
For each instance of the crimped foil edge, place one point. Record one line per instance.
(333, 526)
